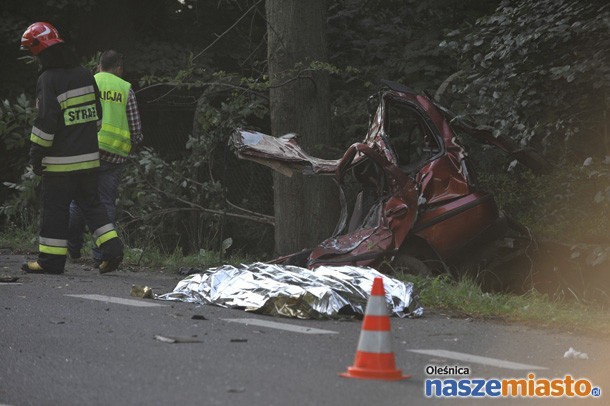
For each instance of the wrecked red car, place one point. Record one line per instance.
(418, 204)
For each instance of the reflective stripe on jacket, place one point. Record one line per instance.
(114, 136)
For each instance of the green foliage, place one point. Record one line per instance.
(19, 238)
(137, 257)
(161, 62)
(15, 121)
(21, 208)
(92, 62)
(538, 72)
(15, 124)
(179, 204)
(160, 207)
(395, 40)
(570, 204)
(15, 75)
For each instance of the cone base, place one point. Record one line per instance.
(363, 373)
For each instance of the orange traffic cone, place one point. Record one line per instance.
(374, 357)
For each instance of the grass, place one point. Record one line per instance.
(203, 260)
(25, 241)
(462, 298)
(19, 240)
(465, 298)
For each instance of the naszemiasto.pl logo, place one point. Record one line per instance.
(463, 386)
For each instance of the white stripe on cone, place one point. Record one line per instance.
(375, 342)
(376, 306)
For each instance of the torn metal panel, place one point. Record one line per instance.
(444, 179)
(282, 154)
(324, 293)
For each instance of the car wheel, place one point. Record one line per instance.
(407, 264)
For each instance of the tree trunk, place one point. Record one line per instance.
(305, 207)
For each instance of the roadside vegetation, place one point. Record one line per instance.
(464, 298)
(25, 241)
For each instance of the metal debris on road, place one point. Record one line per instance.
(572, 353)
(185, 271)
(236, 390)
(327, 292)
(177, 340)
(8, 279)
(142, 291)
(57, 321)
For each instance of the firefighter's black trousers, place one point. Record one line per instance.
(57, 193)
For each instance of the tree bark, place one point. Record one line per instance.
(305, 207)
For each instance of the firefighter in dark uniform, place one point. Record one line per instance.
(64, 151)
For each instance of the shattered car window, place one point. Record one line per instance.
(411, 139)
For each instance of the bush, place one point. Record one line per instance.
(20, 204)
(539, 73)
(570, 204)
(179, 204)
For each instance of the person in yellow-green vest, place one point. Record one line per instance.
(120, 133)
(65, 152)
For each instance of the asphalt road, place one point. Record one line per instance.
(80, 338)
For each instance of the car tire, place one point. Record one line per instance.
(407, 264)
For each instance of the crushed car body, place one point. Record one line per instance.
(417, 202)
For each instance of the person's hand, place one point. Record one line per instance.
(37, 167)
(36, 155)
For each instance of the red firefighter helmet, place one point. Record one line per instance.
(39, 36)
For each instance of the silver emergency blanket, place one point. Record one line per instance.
(327, 292)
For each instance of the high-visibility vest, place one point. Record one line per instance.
(114, 136)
